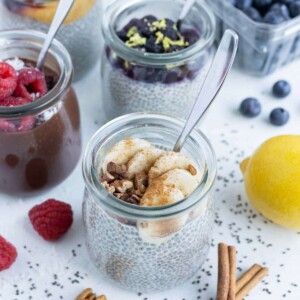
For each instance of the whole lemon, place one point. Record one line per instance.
(272, 180)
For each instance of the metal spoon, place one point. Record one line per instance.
(62, 11)
(214, 80)
(185, 10)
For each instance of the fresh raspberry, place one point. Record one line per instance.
(8, 254)
(8, 80)
(31, 84)
(23, 124)
(51, 219)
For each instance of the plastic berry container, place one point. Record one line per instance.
(148, 248)
(136, 81)
(80, 32)
(263, 48)
(40, 141)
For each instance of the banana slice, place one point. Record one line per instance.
(143, 160)
(173, 160)
(123, 151)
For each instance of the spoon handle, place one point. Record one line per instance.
(214, 80)
(186, 8)
(62, 11)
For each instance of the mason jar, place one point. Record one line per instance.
(80, 32)
(136, 81)
(40, 141)
(148, 248)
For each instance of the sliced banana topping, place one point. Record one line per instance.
(143, 160)
(173, 160)
(124, 150)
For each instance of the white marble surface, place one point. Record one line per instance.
(61, 270)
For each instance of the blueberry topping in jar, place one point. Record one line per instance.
(294, 9)
(274, 17)
(243, 4)
(253, 14)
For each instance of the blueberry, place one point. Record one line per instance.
(122, 34)
(190, 35)
(279, 116)
(281, 89)
(175, 48)
(243, 4)
(250, 107)
(262, 5)
(149, 19)
(282, 8)
(144, 29)
(274, 17)
(169, 22)
(171, 33)
(131, 23)
(152, 47)
(294, 9)
(253, 13)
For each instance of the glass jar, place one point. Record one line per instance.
(136, 81)
(41, 141)
(148, 248)
(80, 32)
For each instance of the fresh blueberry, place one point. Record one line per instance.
(171, 33)
(191, 36)
(253, 13)
(144, 29)
(243, 4)
(122, 34)
(281, 89)
(279, 116)
(131, 23)
(250, 107)
(274, 17)
(149, 19)
(294, 9)
(262, 5)
(169, 22)
(152, 47)
(282, 8)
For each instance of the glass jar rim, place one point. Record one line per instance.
(142, 212)
(62, 57)
(178, 57)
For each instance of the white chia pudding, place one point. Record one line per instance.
(78, 35)
(148, 254)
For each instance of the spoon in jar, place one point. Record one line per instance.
(185, 10)
(62, 11)
(213, 82)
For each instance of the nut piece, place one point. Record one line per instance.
(85, 294)
(141, 182)
(107, 177)
(121, 186)
(192, 170)
(119, 171)
(111, 189)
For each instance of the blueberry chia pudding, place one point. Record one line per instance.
(156, 67)
(143, 254)
(78, 32)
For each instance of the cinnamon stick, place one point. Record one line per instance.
(223, 272)
(247, 276)
(232, 272)
(252, 283)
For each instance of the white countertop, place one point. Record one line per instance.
(63, 269)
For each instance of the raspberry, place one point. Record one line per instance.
(8, 80)
(8, 254)
(22, 124)
(31, 84)
(51, 219)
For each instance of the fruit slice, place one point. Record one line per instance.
(31, 84)
(124, 150)
(143, 160)
(8, 80)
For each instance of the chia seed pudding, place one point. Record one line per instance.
(78, 32)
(148, 211)
(149, 64)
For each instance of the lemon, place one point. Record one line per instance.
(46, 12)
(272, 180)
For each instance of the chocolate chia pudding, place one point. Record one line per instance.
(39, 124)
(141, 231)
(149, 64)
(78, 33)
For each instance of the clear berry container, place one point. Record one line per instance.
(148, 248)
(40, 141)
(80, 32)
(263, 48)
(136, 81)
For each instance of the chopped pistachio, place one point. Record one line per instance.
(132, 31)
(161, 24)
(136, 40)
(159, 36)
